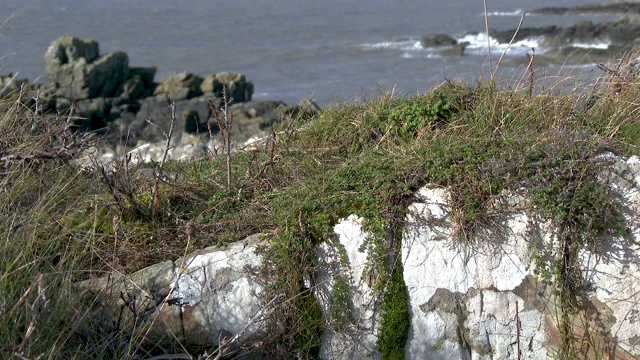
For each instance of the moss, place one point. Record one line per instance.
(394, 326)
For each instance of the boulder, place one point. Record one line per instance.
(92, 114)
(79, 72)
(180, 86)
(237, 87)
(504, 36)
(432, 40)
(210, 295)
(251, 118)
(69, 49)
(191, 116)
(139, 85)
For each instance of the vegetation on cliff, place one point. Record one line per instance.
(62, 223)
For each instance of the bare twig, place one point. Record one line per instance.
(155, 198)
(486, 27)
(225, 123)
(515, 33)
(531, 73)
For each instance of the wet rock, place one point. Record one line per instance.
(621, 31)
(455, 50)
(432, 40)
(524, 33)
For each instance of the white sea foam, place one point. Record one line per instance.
(479, 44)
(594, 45)
(404, 44)
(505, 13)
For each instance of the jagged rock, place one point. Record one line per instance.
(180, 86)
(464, 302)
(237, 87)
(620, 32)
(92, 114)
(252, 118)
(505, 36)
(79, 73)
(432, 40)
(191, 116)
(139, 85)
(69, 49)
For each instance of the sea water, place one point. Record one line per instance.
(329, 50)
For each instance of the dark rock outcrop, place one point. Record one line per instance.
(612, 8)
(237, 87)
(80, 73)
(432, 40)
(179, 86)
(109, 97)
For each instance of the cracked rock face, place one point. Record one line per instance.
(480, 302)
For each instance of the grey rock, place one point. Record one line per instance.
(432, 40)
(201, 298)
(524, 33)
(92, 113)
(191, 116)
(69, 49)
(237, 87)
(139, 85)
(74, 66)
(621, 31)
(180, 86)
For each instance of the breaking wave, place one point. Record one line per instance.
(476, 45)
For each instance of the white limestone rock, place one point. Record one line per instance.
(354, 335)
(462, 303)
(211, 295)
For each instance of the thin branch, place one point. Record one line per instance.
(515, 33)
(486, 27)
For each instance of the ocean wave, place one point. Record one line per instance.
(479, 44)
(593, 45)
(403, 44)
(505, 13)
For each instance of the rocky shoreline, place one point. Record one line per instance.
(560, 43)
(115, 100)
